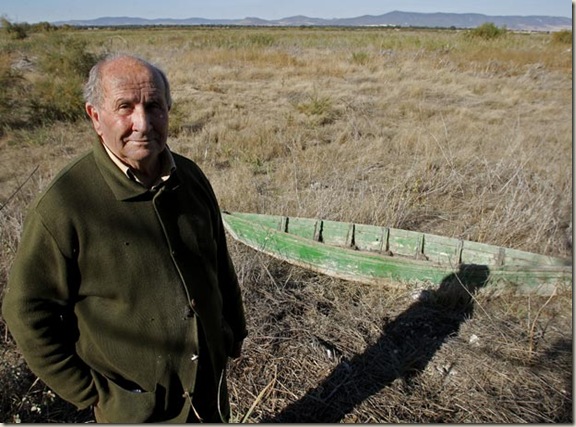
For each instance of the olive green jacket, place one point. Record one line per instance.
(112, 283)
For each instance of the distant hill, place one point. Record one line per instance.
(394, 19)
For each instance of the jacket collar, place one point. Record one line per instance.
(166, 158)
(118, 178)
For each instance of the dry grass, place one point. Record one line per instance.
(325, 351)
(422, 130)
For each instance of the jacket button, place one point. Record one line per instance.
(188, 313)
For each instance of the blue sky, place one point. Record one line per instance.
(61, 10)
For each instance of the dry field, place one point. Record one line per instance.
(424, 130)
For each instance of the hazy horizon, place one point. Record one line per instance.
(33, 11)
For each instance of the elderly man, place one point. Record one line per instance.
(122, 294)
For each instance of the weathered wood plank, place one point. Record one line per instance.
(372, 254)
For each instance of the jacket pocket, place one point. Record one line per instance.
(118, 404)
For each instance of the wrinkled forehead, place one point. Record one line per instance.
(128, 73)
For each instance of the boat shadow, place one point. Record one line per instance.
(402, 352)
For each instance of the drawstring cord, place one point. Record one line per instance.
(189, 397)
(218, 399)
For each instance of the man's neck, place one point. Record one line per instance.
(149, 174)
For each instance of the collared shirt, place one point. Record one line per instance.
(166, 158)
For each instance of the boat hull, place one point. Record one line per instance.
(381, 255)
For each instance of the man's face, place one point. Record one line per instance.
(133, 118)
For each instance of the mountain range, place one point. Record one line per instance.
(391, 19)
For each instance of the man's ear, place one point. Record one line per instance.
(92, 112)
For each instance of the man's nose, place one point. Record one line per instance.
(141, 119)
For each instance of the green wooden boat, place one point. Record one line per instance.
(383, 255)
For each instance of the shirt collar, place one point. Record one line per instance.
(168, 166)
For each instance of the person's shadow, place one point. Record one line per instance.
(402, 352)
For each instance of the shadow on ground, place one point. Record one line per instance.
(403, 351)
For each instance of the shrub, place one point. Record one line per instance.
(43, 27)
(15, 31)
(57, 95)
(261, 40)
(65, 56)
(316, 105)
(12, 107)
(57, 99)
(487, 31)
(564, 37)
(360, 58)
(49, 87)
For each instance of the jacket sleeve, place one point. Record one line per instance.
(232, 304)
(233, 307)
(38, 309)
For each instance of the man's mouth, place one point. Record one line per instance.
(140, 141)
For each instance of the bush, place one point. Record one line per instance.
(63, 67)
(487, 31)
(12, 108)
(64, 57)
(57, 99)
(261, 40)
(51, 89)
(360, 58)
(563, 37)
(14, 31)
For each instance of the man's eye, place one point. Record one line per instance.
(124, 109)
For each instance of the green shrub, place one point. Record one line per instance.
(50, 87)
(261, 40)
(487, 31)
(360, 58)
(63, 66)
(564, 37)
(316, 106)
(43, 27)
(57, 99)
(14, 31)
(65, 57)
(12, 110)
